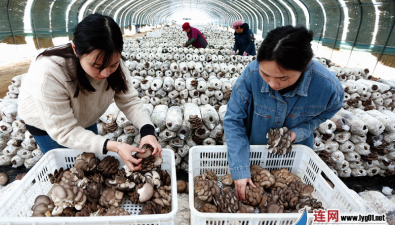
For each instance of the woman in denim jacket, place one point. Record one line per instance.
(282, 88)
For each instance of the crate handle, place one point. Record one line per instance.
(328, 181)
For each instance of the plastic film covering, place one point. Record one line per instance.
(346, 25)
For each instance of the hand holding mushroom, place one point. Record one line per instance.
(184, 45)
(125, 152)
(151, 140)
(240, 188)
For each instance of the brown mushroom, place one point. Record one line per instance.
(208, 208)
(195, 121)
(206, 189)
(86, 161)
(253, 195)
(42, 206)
(3, 179)
(283, 175)
(227, 180)
(110, 198)
(245, 208)
(94, 190)
(120, 183)
(263, 178)
(165, 178)
(279, 140)
(226, 201)
(181, 186)
(134, 196)
(116, 212)
(152, 208)
(163, 196)
(108, 166)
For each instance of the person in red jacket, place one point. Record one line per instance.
(195, 37)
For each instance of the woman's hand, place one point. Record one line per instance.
(184, 45)
(125, 152)
(151, 139)
(240, 188)
(293, 136)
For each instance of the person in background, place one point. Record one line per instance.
(244, 39)
(70, 86)
(283, 87)
(195, 37)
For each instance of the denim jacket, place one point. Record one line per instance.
(254, 108)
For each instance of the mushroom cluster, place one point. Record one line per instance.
(279, 140)
(94, 187)
(278, 191)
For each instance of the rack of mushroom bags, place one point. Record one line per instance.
(185, 91)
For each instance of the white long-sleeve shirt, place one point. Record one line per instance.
(46, 101)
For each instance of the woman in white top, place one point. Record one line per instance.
(70, 86)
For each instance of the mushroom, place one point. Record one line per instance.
(272, 208)
(227, 179)
(153, 178)
(255, 169)
(181, 186)
(19, 176)
(301, 189)
(152, 208)
(94, 190)
(86, 161)
(210, 175)
(68, 212)
(96, 177)
(195, 121)
(149, 161)
(42, 206)
(245, 208)
(83, 213)
(263, 178)
(108, 166)
(3, 179)
(165, 178)
(283, 174)
(253, 195)
(146, 192)
(206, 189)
(311, 203)
(163, 196)
(116, 212)
(110, 198)
(120, 183)
(226, 201)
(279, 140)
(134, 196)
(208, 208)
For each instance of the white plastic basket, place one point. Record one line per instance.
(15, 208)
(302, 161)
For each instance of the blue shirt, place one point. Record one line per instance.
(245, 41)
(254, 108)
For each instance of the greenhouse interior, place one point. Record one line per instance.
(197, 112)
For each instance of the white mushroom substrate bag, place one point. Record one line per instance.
(175, 82)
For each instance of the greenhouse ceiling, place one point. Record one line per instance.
(366, 24)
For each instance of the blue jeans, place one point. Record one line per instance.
(46, 143)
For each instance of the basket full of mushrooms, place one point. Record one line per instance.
(72, 184)
(285, 183)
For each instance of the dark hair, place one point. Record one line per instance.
(288, 46)
(94, 32)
